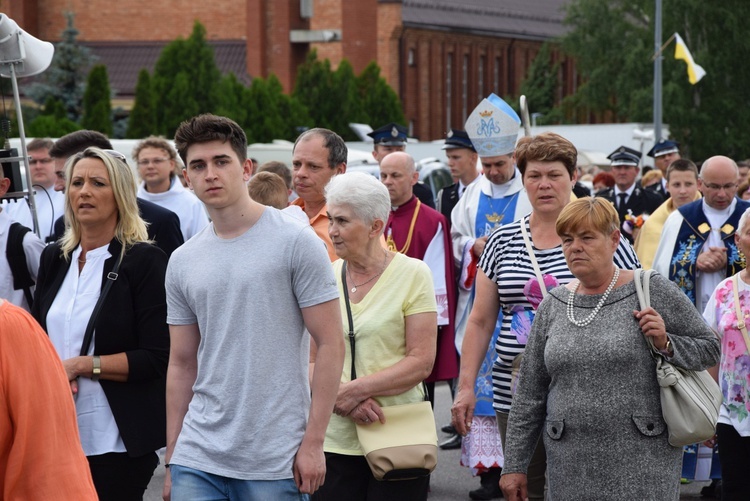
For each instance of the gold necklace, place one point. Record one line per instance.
(354, 286)
(392, 244)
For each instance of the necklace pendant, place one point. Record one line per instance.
(354, 289)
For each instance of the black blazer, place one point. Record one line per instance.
(447, 200)
(163, 226)
(641, 201)
(133, 320)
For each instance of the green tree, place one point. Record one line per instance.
(380, 103)
(313, 87)
(142, 120)
(231, 102)
(52, 122)
(348, 101)
(97, 105)
(541, 84)
(186, 69)
(612, 43)
(65, 78)
(334, 99)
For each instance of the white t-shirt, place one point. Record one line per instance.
(185, 204)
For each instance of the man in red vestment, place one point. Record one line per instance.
(421, 232)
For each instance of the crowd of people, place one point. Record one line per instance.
(210, 307)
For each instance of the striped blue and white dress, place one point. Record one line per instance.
(506, 262)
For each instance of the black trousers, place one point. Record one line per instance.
(350, 478)
(118, 477)
(734, 454)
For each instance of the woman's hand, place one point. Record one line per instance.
(462, 411)
(72, 367)
(514, 486)
(652, 325)
(348, 398)
(367, 412)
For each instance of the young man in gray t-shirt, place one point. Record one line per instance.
(243, 421)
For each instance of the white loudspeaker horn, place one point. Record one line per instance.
(30, 55)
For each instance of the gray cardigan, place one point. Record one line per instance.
(591, 392)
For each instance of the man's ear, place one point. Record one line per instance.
(4, 185)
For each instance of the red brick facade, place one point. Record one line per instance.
(440, 74)
(127, 20)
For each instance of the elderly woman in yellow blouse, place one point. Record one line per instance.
(395, 325)
(682, 184)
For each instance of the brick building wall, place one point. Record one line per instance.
(328, 14)
(142, 20)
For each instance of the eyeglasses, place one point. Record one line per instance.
(156, 161)
(34, 161)
(719, 187)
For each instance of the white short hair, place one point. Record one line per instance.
(366, 196)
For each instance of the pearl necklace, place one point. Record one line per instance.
(590, 318)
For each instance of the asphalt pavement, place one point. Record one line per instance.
(450, 481)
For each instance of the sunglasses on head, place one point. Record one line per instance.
(110, 153)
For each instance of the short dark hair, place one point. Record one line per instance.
(546, 147)
(207, 127)
(40, 143)
(337, 150)
(682, 165)
(280, 169)
(77, 141)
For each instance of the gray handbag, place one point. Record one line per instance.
(690, 400)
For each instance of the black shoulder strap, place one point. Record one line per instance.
(17, 260)
(89, 333)
(349, 316)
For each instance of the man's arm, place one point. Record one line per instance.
(323, 321)
(181, 374)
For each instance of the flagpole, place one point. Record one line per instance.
(657, 73)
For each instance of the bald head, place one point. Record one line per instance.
(718, 181)
(399, 174)
(400, 159)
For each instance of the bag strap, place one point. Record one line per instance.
(532, 257)
(642, 280)
(16, 256)
(89, 334)
(349, 316)
(740, 315)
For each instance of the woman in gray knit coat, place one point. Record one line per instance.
(587, 384)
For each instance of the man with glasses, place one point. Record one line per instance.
(49, 203)
(156, 160)
(697, 249)
(629, 199)
(163, 224)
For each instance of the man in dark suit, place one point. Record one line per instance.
(629, 199)
(462, 161)
(163, 225)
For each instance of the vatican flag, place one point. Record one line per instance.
(695, 72)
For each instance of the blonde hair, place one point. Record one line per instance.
(588, 213)
(130, 228)
(651, 177)
(268, 188)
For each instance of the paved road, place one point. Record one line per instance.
(450, 481)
